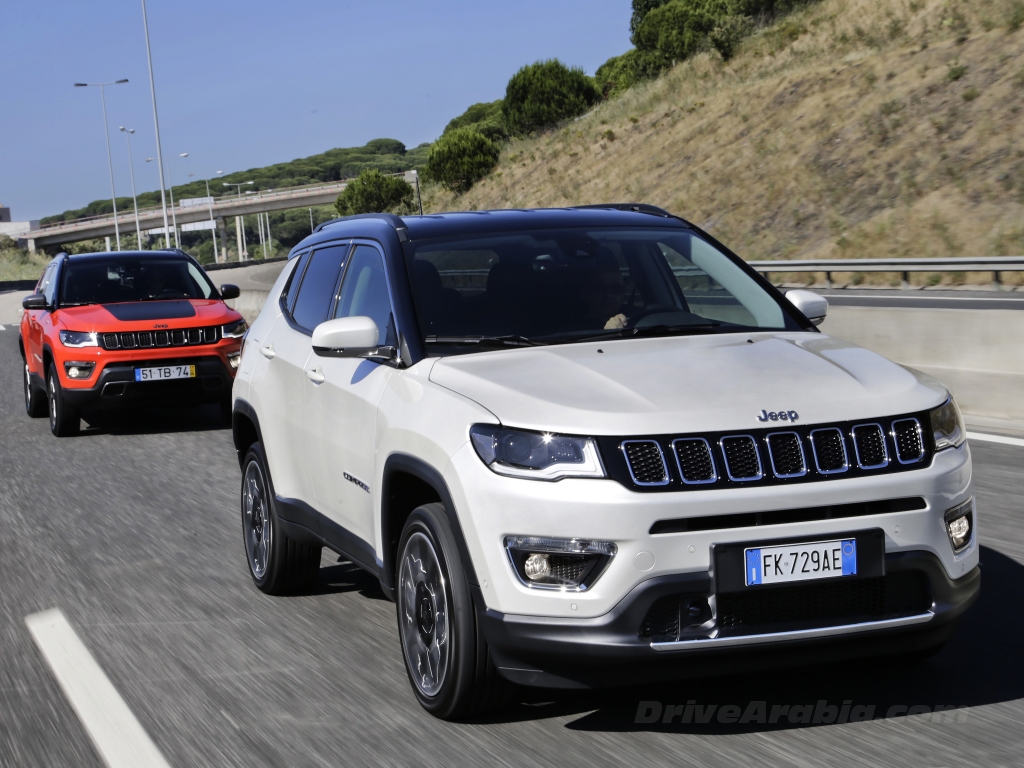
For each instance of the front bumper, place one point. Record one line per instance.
(610, 649)
(116, 387)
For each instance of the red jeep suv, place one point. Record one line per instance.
(109, 330)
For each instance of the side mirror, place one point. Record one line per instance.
(813, 306)
(34, 301)
(346, 337)
(229, 291)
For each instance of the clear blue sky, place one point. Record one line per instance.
(246, 84)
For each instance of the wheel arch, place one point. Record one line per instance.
(408, 483)
(245, 429)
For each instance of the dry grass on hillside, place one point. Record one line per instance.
(855, 128)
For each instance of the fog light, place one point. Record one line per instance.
(78, 370)
(537, 566)
(960, 524)
(565, 564)
(234, 359)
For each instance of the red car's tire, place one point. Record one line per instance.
(64, 420)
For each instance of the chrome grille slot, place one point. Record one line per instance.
(177, 338)
(128, 340)
(829, 451)
(869, 446)
(786, 451)
(210, 334)
(906, 434)
(195, 335)
(646, 462)
(145, 339)
(742, 459)
(161, 338)
(696, 464)
(110, 341)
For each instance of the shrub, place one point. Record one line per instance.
(460, 158)
(640, 10)
(679, 28)
(485, 118)
(373, 192)
(729, 33)
(542, 94)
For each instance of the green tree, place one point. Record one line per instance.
(545, 93)
(374, 192)
(460, 158)
(485, 117)
(640, 10)
(679, 28)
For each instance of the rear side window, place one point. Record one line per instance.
(296, 279)
(314, 299)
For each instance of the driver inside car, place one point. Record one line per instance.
(604, 290)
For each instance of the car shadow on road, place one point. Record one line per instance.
(347, 577)
(156, 420)
(981, 664)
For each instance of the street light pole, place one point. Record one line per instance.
(156, 124)
(131, 165)
(106, 136)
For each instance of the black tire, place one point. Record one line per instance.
(35, 400)
(466, 684)
(64, 420)
(225, 406)
(278, 565)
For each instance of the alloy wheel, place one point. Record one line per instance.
(52, 386)
(256, 525)
(423, 614)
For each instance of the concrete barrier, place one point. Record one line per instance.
(978, 354)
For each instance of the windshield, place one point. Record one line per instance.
(114, 280)
(572, 284)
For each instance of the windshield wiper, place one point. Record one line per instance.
(510, 340)
(651, 330)
(77, 304)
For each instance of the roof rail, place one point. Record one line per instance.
(635, 207)
(388, 218)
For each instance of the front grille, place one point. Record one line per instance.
(696, 465)
(829, 450)
(787, 454)
(795, 606)
(869, 444)
(742, 461)
(824, 603)
(646, 462)
(148, 339)
(909, 446)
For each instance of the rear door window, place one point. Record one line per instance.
(317, 290)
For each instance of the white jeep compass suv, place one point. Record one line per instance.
(590, 446)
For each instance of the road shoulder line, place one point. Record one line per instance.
(117, 735)
(981, 436)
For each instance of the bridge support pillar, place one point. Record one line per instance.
(222, 230)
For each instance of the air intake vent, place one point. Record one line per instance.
(696, 465)
(128, 340)
(829, 451)
(110, 341)
(787, 454)
(909, 445)
(742, 461)
(161, 338)
(869, 445)
(145, 339)
(195, 335)
(646, 462)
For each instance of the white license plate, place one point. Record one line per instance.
(165, 372)
(800, 562)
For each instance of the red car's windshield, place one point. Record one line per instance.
(115, 280)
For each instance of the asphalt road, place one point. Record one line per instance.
(132, 530)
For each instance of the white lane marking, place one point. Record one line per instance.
(995, 439)
(1014, 299)
(118, 737)
(3, 328)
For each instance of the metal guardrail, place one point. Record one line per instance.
(993, 264)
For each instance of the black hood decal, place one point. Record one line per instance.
(151, 310)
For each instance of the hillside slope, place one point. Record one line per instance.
(854, 128)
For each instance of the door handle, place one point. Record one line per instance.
(315, 375)
(268, 351)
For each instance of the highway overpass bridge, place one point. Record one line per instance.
(152, 218)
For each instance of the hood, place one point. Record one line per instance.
(686, 384)
(142, 315)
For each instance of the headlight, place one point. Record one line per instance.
(234, 330)
(536, 455)
(78, 339)
(948, 426)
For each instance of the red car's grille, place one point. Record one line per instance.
(146, 339)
